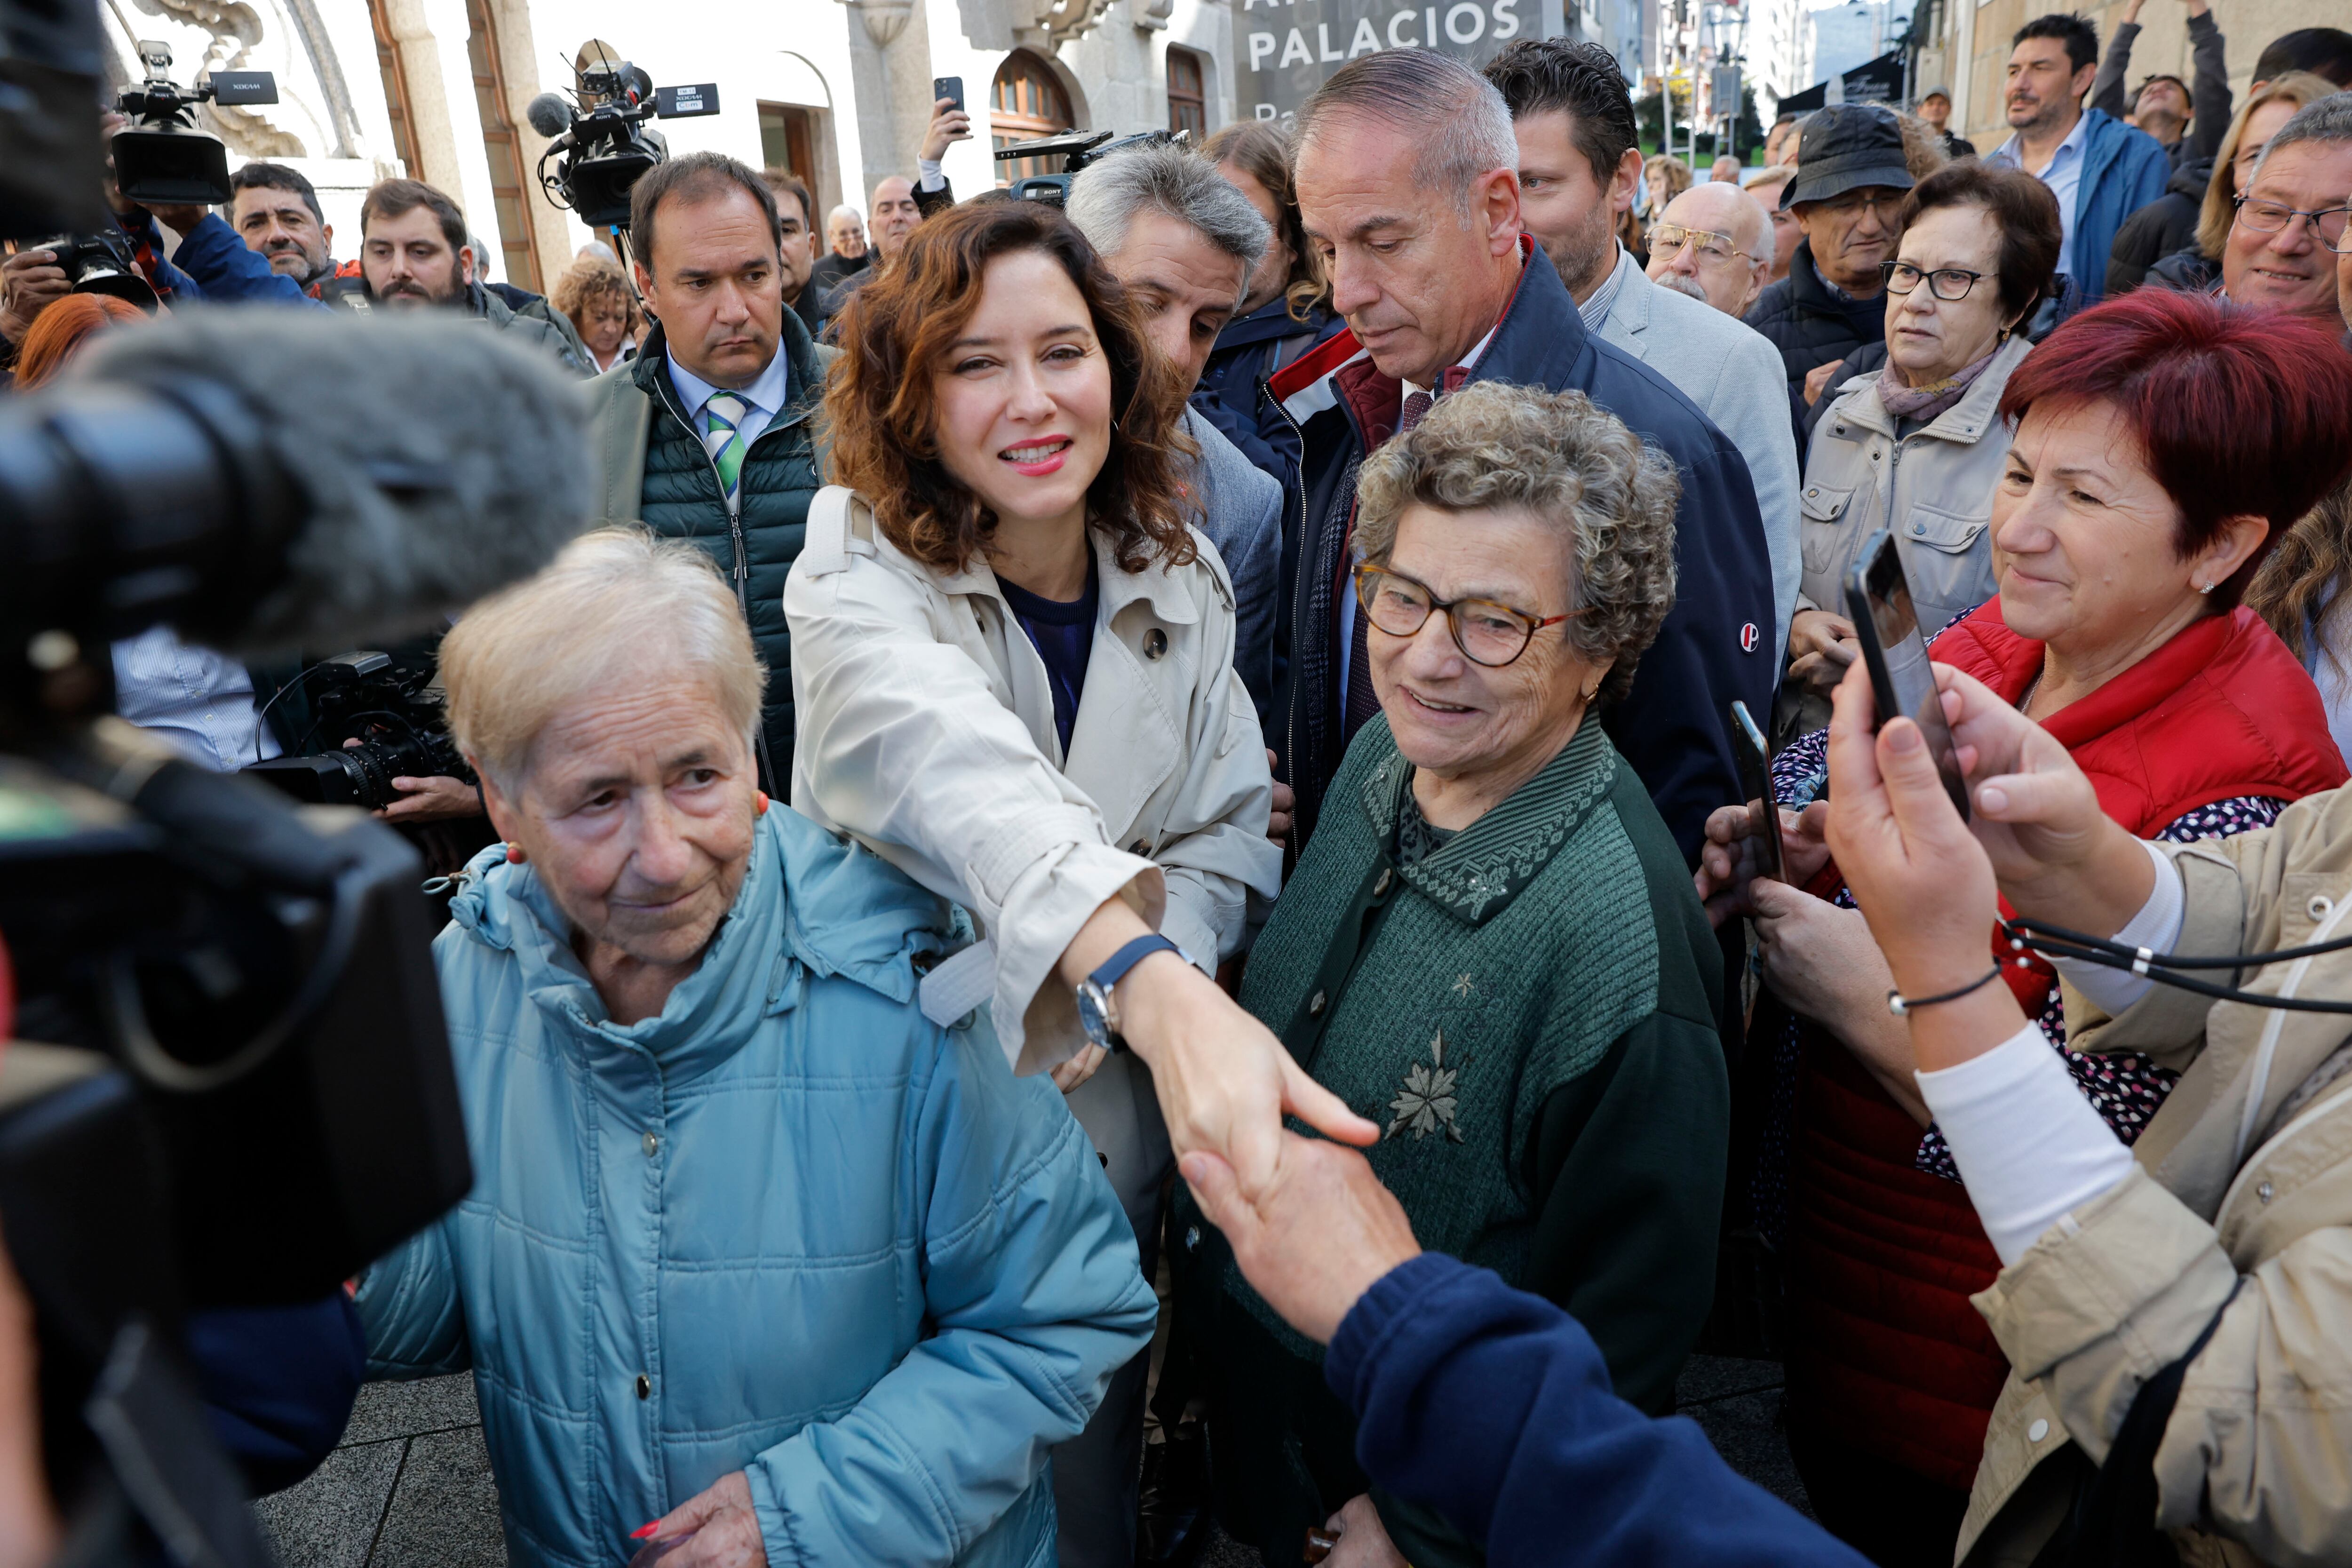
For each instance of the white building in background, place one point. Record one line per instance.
(838, 90)
(1776, 48)
(1843, 36)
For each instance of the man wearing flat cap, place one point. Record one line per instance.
(1850, 183)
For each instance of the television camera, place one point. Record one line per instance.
(161, 159)
(1079, 149)
(601, 140)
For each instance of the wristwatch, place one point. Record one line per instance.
(1098, 1014)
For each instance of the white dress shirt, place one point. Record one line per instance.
(199, 700)
(2063, 175)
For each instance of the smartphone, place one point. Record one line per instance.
(948, 87)
(1755, 783)
(1878, 601)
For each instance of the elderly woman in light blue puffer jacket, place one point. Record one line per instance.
(754, 1250)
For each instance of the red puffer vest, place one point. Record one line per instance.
(1886, 1354)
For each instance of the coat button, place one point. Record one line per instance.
(1816, 491)
(2264, 1192)
(1141, 846)
(1192, 1236)
(1155, 643)
(1381, 883)
(1920, 528)
(2039, 1430)
(2320, 907)
(1315, 1006)
(645, 1387)
(653, 1144)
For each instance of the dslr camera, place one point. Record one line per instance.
(600, 138)
(387, 702)
(101, 263)
(161, 158)
(1077, 149)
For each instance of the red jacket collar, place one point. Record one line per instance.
(2235, 714)
(1373, 398)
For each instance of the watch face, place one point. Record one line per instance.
(1094, 1013)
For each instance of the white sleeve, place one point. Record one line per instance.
(2156, 928)
(930, 169)
(2027, 1143)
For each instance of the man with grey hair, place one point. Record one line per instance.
(2278, 252)
(1421, 232)
(1183, 240)
(1572, 116)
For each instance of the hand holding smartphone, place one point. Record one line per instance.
(1755, 783)
(1879, 600)
(948, 87)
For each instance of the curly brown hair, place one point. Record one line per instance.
(589, 281)
(880, 413)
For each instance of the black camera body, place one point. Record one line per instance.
(385, 702)
(161, 159)
(101, 263)
(1079, 149)
(606, 144)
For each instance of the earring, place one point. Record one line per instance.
(2205, 587)
(515, 856)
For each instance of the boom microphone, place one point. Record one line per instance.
(549, 114)
(265, 480)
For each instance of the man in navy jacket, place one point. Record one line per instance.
(1485, 1403)
(1421, 236)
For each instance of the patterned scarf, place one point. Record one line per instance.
(1926, 403)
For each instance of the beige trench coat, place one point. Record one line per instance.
(2244, 1182)
(926, 729)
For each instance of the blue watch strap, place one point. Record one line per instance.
(1115, 968)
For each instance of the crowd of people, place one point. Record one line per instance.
(1067, 722)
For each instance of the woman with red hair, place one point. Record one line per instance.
(60, 333)
(2162, 442)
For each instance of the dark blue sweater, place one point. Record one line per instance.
(1493, 1407)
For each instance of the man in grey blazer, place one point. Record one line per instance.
(1579, 163)
(1184, 241)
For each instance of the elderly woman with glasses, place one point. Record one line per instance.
(1490, 947)
(1913, 444)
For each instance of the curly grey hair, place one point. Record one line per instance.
(1563, 459)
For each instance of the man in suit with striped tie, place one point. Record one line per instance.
(707, 435)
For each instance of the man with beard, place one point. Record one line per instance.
(1579, 158)
(414, 253)
(275, 211)
(2101, 170)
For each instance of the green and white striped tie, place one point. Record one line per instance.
(722, 437)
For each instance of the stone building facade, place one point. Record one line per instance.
(839, 91)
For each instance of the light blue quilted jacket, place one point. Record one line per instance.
(788, 1226)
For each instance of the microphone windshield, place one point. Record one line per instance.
(549, 114)
(424, 460)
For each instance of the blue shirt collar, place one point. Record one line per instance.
(769, 393)
(2012, 152)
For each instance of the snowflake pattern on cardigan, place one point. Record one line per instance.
(2125, 1088)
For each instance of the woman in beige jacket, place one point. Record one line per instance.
(1012, 666)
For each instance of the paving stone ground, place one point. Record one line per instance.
(410, 1487)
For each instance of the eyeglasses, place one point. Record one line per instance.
(1714, 248)
(2327, 225)
(1950, 284)
(1488, 633)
